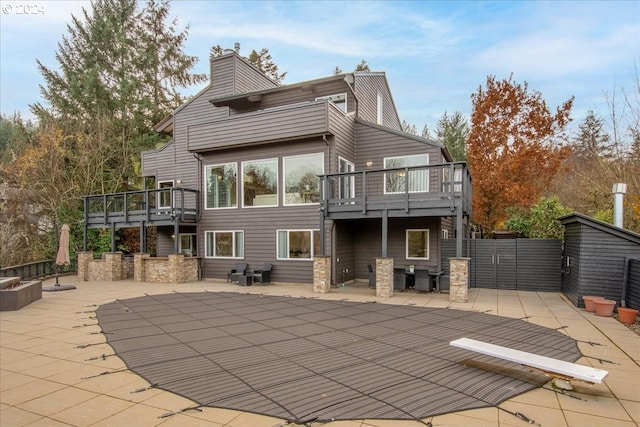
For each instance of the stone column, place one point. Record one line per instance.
(322, 274)
(113, 266)
(384, 277)
(138, 266)
(459, 279)
(176, 266)
(83, 265)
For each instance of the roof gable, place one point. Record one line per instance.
(599, 225)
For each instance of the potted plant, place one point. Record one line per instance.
(604, 307)
(627, 315)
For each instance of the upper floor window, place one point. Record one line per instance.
(301, 182)
(398, 182)
(417, 244)
(224, 244)
(221, 186)
(339, 100)
(260, 182)
(379, 109)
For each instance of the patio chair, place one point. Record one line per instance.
(240, 269)
(372, 276)
(263, 275)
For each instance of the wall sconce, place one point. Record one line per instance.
(178, 181)
(173, 237)
(369, 163)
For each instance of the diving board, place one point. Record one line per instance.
(552, 367)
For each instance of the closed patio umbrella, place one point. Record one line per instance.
(62, 258)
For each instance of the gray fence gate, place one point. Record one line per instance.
(519, 264)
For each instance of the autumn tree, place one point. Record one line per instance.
(514, 148)
(453, 131)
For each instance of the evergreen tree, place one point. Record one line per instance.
(363, 66)
(118, 73)
(453, 132)
(592, 141)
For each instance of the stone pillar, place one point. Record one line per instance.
(459, 279)
(384, 277)
(176, 266)
(138, 266)
(83, 265)
(321, 274)
(113, 266)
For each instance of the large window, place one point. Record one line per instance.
(298, 244)
(339, 100)
(398, 182)
(224, 244)
(418, 244)
(187, 244)
(260, 182)
(221, 186)
(301, 182)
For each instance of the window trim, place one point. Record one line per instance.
(194, 240)
(406, 244)
(233, 243)
(159, 206)
(277, 172)
(204, 184)
(352, 179)
(379, 110)
(284, 178)
(332, 99)
(312, 242)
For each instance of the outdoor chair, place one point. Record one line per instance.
(263, 275)
(240, 269)
(372, 276)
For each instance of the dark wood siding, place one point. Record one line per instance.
(367, 86)
(282, 123)
(374, 144)
(633, 292)
(597, 253)
(571, 272)
(261, 223)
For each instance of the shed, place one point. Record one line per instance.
(594, 258)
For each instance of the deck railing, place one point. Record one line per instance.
(447, 184)
(37, 269)
(163, 204)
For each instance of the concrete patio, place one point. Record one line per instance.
(51, 362)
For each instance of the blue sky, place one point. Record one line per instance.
(435, 54)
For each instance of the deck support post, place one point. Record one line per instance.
(385, 228)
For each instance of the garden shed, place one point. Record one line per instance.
(598, 260)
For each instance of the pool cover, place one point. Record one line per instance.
(303, 359)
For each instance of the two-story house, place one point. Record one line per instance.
(259, 172)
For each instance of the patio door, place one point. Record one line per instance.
(347, 189)
(164, 201)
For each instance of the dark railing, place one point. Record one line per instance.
(445, 185)
(157, 205)
(37, 269)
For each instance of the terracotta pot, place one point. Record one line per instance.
(588, 302)
(604, 307)
(627, 315)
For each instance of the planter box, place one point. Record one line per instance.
(15, 294)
